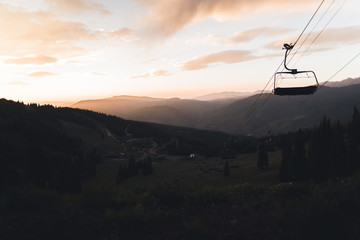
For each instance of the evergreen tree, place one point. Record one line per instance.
(226, 169)
(132, 167)
(121, 174)
(353, 134)
(284, 174)
(338, 156)
(147, 166)
(299, 161)
(263, 159)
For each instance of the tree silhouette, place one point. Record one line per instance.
(263, 159)
(299, 166)
(226, 169)
(284, 171)
(147, 166)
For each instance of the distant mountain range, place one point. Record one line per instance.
(224, 95)
(237, 113)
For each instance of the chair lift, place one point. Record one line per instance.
(307, 90)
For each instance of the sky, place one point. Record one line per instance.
(71, 50)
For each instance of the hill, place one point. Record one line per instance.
(59, 147)
(268, 112)
(224, 95)
(174, 111)
(284, 113)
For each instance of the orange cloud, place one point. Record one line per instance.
(31, 60)
(18, 83)
(328, 39)
(42, 33)
(166, 17)
(154, 73)
(340, 36)
(249, 35)
(124, 34)
(99, 74)
(78, 6)
(27, 33)
(229, 56)
(41, 74)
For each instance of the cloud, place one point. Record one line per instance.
(28, 33)
(41, 74)
(25, 33)
(31, 60)
(340, 36)
(154, 73)
(249, 35)
(124, 34)
(166, 17)
(99, 74)
(18, 83)
(77, 6)
(329, 39)
(228, 56)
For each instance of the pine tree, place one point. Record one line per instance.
(353, 134)
(132, 167)
(284, 174)
(299, 161)
(147, 166)
(263, 159)
(226, 169)
(338, 156)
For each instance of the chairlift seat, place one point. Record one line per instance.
(295, 90)
(307, 90)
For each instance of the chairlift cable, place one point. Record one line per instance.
(254, 106)
(311, 31)
(309, 22)
(303, 31)
(334, 75)
(322, 30)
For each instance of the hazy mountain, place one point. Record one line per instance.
(283, 113)
(174, 111)
(253, 115)
(224, 95)
(344, 83)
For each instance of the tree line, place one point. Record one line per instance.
(326, 151)
(35, 149)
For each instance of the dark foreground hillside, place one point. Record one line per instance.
(75, 174)
(176, 210)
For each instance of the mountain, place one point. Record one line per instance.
(174, 111)
(224, 95)
(253, 115)
(344, 83)
(283, 113)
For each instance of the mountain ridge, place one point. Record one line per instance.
(252, 115)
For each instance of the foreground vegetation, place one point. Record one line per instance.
(177, 209)
(60, 168)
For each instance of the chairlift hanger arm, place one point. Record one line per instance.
(288, 48)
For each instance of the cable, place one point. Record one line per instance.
(356, 56)
(253, 107)
(342, 68)
(309, 22)
(312, 30)
(322, 30)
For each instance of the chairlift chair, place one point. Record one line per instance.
(294, 73)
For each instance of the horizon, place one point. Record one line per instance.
(72, 50)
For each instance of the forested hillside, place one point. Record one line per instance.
(254, 115)
(59, 147)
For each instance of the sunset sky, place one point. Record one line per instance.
(69, 50)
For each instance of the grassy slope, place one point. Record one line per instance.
(179, 201)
